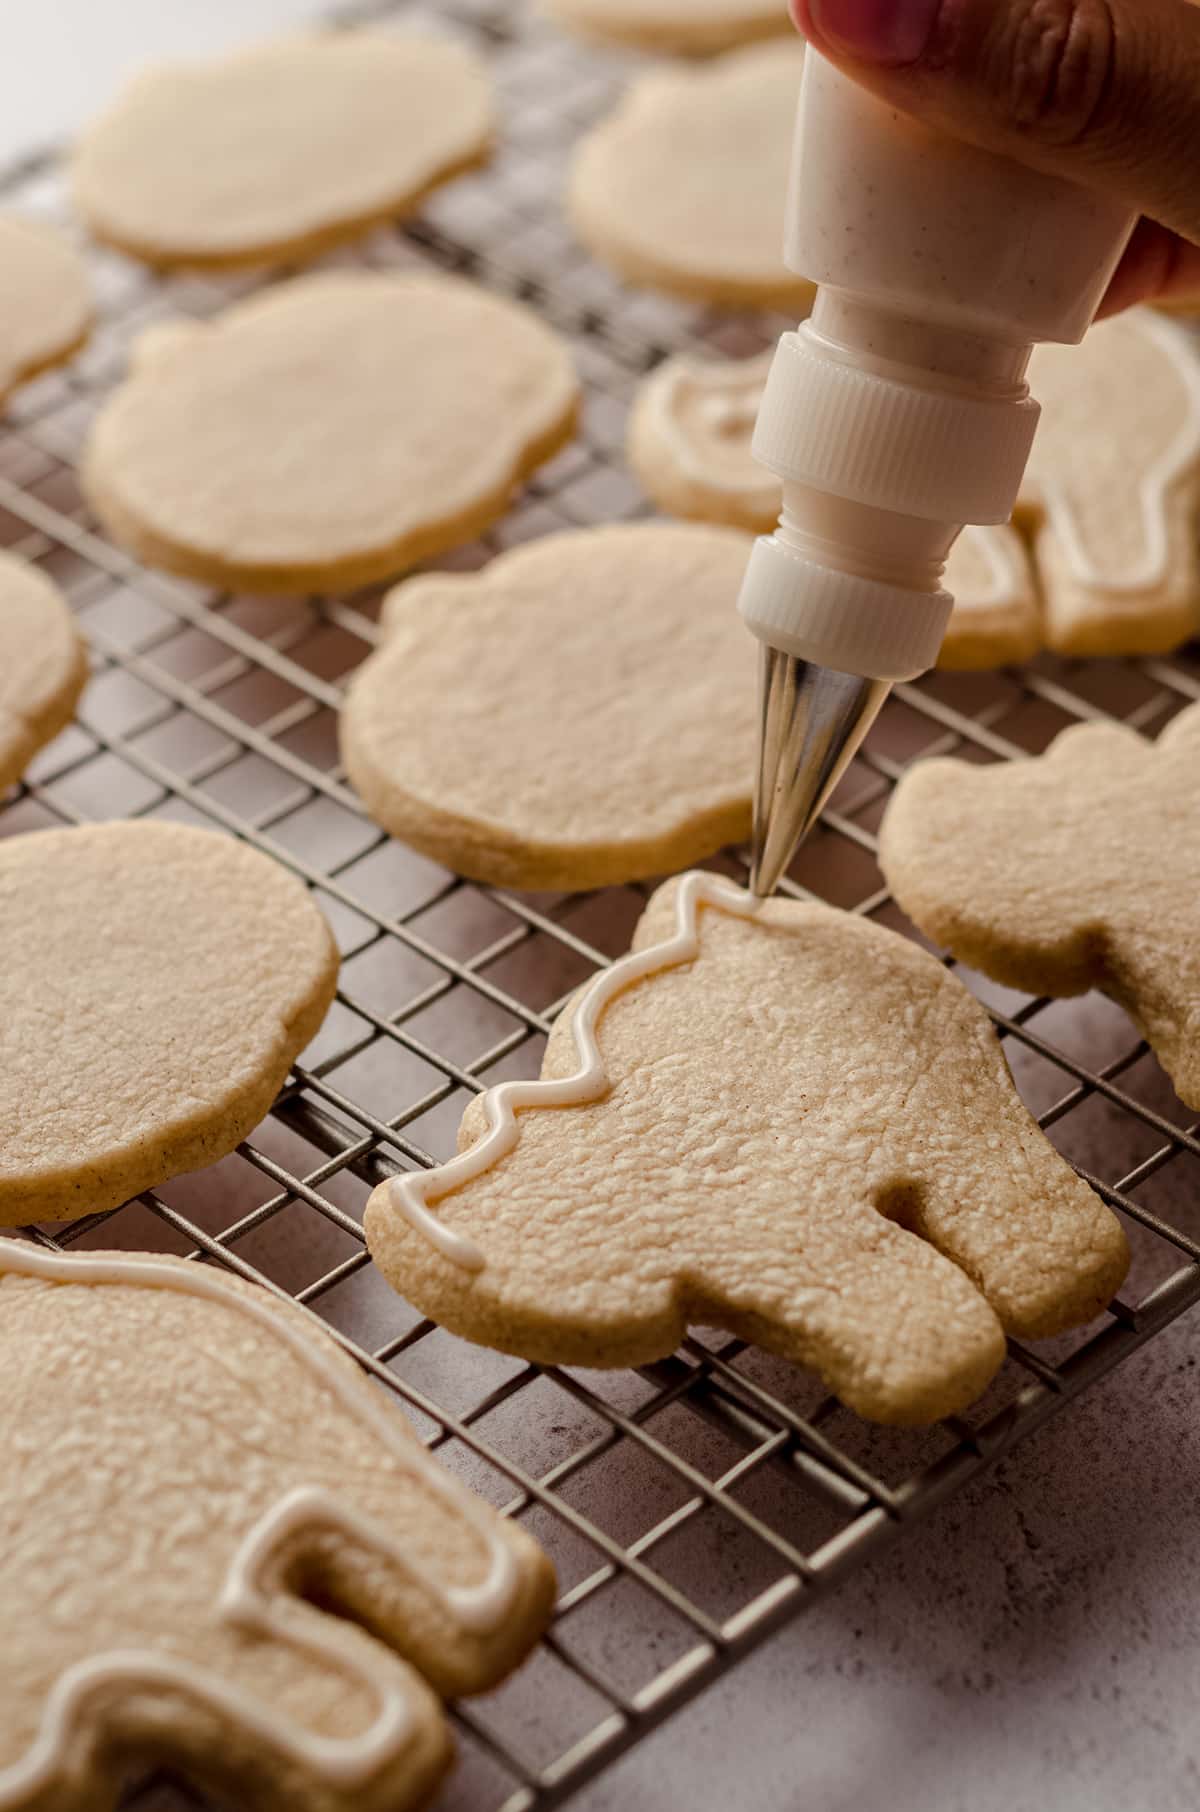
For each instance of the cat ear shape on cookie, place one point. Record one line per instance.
(1075, 870)
(244, 1564)
(775, 1118)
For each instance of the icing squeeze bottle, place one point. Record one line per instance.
(896, 414)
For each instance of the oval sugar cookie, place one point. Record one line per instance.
(158, 982)
(328, 432)
(282, 150)
(43, 664)
(579, 713)
(45, 303)
(682, 187)
(689, 28)
(689, 441)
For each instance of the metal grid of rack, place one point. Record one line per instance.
(694, 1505)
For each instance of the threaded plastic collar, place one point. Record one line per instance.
(933, 453)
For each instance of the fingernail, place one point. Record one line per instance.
(875, 31)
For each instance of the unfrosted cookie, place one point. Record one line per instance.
(580, 712)
(281, 150)
(43, 664)
(1079, 869)
(224, 1550)
(157, 983)
(1113, 487)
(45, 304)
(328, 432)
(683, 186)
(770, 1117)
(672, 27)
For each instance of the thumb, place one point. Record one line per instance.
(1103, 92)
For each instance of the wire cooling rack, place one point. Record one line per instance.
(693, 1505)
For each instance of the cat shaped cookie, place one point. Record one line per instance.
(771, 1117)
(224, 1550)
(1078, 869)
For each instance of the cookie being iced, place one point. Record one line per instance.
(580, 712)
(774, 1118)
(682, 187)
(282, 150)
(1078, 869)
(45, 304)
(157, 984)
(328, 432)
(672, 27)
(43, 664)
(225, 1551)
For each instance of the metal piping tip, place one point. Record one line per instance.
(812, 720)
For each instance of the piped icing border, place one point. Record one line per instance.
(1151, 487)
(247, 1600)
(410, 1192)
(731, 390)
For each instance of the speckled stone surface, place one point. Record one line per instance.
(1035, 1645)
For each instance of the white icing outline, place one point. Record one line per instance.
(410, 1192)
(1007, 562)
(246, 1599)
(1151, 488)
(716, 375)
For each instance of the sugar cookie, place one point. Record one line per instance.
(159, 982)
(1075, 870)
(328, 432)
(45, 303)
(688, 440)
(281, 150)
(225, 1550)
(580, 712)
(43, 664)
(775, 1118)
(682, 187)
(1113, 486)
(672, 27)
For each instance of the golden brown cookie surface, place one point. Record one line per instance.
(43, 664)
(328, 432)
(281, 150)
(1077, 869)
(161, 981)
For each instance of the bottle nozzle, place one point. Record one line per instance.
(812, 720)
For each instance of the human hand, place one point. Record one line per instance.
(1103, 92)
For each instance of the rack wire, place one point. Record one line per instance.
(694, 1505)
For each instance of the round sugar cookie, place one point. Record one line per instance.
(682, 187)
(43, 665)
(328, 432)
(158, 982)
(689, 441)
(45, 303)
(688, 28)
(282, 150)
(579, 713)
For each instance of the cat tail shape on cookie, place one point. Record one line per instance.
(1078, 869)
(225, 1550)
(775, 1118)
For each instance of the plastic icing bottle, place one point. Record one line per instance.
(900, 410)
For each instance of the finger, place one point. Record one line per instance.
(1103, 92)
(1157, 266)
